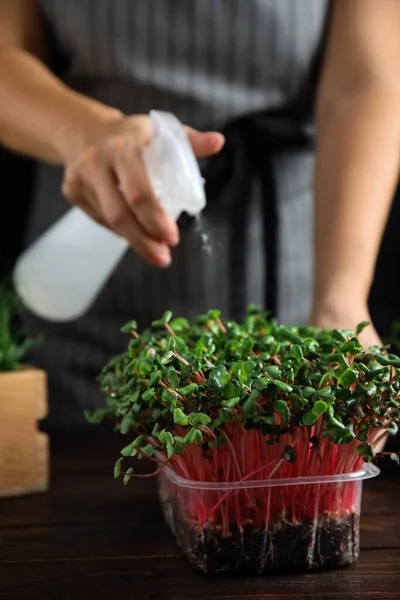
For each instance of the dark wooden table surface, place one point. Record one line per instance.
(90, 537)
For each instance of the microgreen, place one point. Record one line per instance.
(13, 345)
(180, 385)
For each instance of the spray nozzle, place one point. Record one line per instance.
(172, 168)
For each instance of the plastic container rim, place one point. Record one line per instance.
(369, 471)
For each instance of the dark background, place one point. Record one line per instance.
(17, 180)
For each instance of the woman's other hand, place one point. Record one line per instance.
(343, 315)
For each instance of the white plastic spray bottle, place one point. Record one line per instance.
(60, 275)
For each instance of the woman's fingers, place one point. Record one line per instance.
(136, 190)
(118, 217)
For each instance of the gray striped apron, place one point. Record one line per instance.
(211, 62)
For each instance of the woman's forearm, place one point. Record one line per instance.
(357, 167)
(39, 115)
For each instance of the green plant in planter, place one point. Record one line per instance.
(217, 402)
(13, 345)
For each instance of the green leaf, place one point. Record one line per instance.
(148, 450)
(117, 468)
(218, 377)
(337, 357)
(343, 436)
(188, 389)
(261, 384)
(246, 346)
(231, 402)
(214, 313)
(155, 378)
(197, 418)
(273, 371)
(326, 378)
(248, 368)
(168, 397)
(307, 392)
(225, 414)
(166, 317)
(166, 438)
(147, 395)
(167, 357)
(178, 439)
(296, 351)
(289, 454)
(325, 393)
(297, 402)
(221, 440)
(95, 417)
(281, 386)
(174, 383)
(363, 436)
(171, 345)
(291, 336)
(129, 327)
(127, 423)
(339, 335)
(128, 475)
(349, 377)
(194, 436)
(375, 373)
(145, 366)
(249, 406)
(179, 449)
(180, 418)
(371, 390)
(333, 419)
(179, 325)
(387, 361)
(395, 457)
(311, 346)
(132, 398)
(128, 450)
(352, 347)
(366, 451)
(320, 407)
(231, 390)
(157, 323)
(362, 326)
(309, 418)
(281, 407)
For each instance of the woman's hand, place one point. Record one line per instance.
(344, 315)
(108, 181)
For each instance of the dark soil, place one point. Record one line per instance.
(287, 546)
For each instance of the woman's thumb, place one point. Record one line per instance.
(205, 143)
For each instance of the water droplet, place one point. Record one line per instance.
(205, 236)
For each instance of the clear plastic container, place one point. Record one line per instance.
(257, 527)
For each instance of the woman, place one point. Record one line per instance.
(210, 62)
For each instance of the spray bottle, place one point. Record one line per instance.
(60, 275)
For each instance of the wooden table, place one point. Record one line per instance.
(90, 537)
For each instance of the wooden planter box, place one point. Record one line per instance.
(24, 451)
